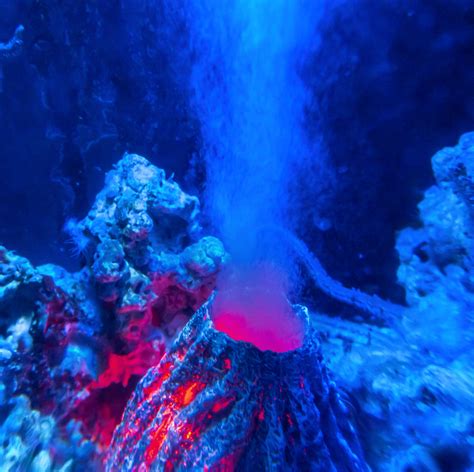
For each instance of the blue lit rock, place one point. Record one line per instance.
(75, 344)
(414, 387)
(142, 238)
(32, 441)
(436, 260)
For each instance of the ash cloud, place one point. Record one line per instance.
(250, 100)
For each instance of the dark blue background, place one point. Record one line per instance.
(392, 82)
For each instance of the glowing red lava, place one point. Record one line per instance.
(255, 310)
(214, 404)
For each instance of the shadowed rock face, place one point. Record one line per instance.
(218, 404)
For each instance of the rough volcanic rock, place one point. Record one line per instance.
(76, 344)
(436, 259)
(218, 404)
(142, 241)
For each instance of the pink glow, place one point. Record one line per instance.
(253, 308)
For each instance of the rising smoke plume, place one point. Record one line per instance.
(250, 101)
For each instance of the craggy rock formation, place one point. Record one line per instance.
(19, 281)
(31, 441)
(76, 344)
(141, 238)
(219, 404)
(74, 347)
(415, 390)
(437, 268)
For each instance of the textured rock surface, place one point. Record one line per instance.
(221, 404)
(414, 407)
(76, 344)
(32, 441)
(437, 259)
(414, 389)
(19, 284)
(141, 239)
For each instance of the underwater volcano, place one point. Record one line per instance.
(215, 403)
(224, 243)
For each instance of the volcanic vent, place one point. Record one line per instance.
(249, 403)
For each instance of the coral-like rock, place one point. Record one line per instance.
(19, 285)
(414, 388)
(142, 242)
(32, 441)
(414, 406)
(142, 209)
(218, 404)
(436, 260)
(77, 344)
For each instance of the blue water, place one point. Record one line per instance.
(312, 133)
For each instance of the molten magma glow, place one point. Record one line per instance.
(253, 308)
(181, 398)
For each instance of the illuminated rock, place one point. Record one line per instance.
(142, 239)
(214, 403)
(76, 344)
